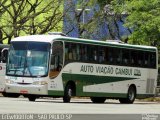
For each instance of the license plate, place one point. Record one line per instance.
(24, 91)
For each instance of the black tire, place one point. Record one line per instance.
(122, 100)
(25, 96)
(67, 94)
(131, 95)
(98, 99)
(12, 95)
(32, 98)
(4, 94)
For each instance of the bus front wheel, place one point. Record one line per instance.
(13, 95)
(98, 99)
(131, 95)
(67, 94)
(32, 98)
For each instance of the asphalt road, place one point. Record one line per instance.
(79, 108)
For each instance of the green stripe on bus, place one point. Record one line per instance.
(93, 79)
(141, 96)
(97, 94)
(89, 94)
(55, 93)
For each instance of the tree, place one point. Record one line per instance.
(100, 20)
(113, 20)
(21, 17)
(106, 22)
(143, 18)
(75, 19)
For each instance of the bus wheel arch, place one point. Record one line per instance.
(69, 91)
(131, 95)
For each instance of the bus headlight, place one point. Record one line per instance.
(9, 82)
(40, 83)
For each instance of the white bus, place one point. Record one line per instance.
(3, 59)
(60, 66)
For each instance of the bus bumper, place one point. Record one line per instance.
(27, 89)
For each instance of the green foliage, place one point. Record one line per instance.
(22, 17)
(102, 3)
(143, 18)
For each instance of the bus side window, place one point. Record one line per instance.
(146, 59)
(83, 53)
(126, 57)
(66, 51)
(134, 60)
(110, 55)
(102, 57)
(78, 52)
(115, 56)
(118, 56)
(74, 51)
(69, 52)
(140, 58)
(107, 55)
(153, 60)
(95, 55)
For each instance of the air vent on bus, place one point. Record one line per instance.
(150, 86)
(57, 33)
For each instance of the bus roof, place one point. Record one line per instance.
(51, 38)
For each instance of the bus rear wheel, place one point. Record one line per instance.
(130, 96)
(67, 94)
(98, 99)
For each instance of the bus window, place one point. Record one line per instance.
(72, 52)
(102, 57)
(56, 59)
(78, 52)
(126, 57)
(66, 51)
(94, 54)
(110, 55)
(115, 56)
(83, 53)
(118, 56)
(140, 58)
(153, 60)
(146, 59)
(134, 59)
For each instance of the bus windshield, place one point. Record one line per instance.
(28, 59)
